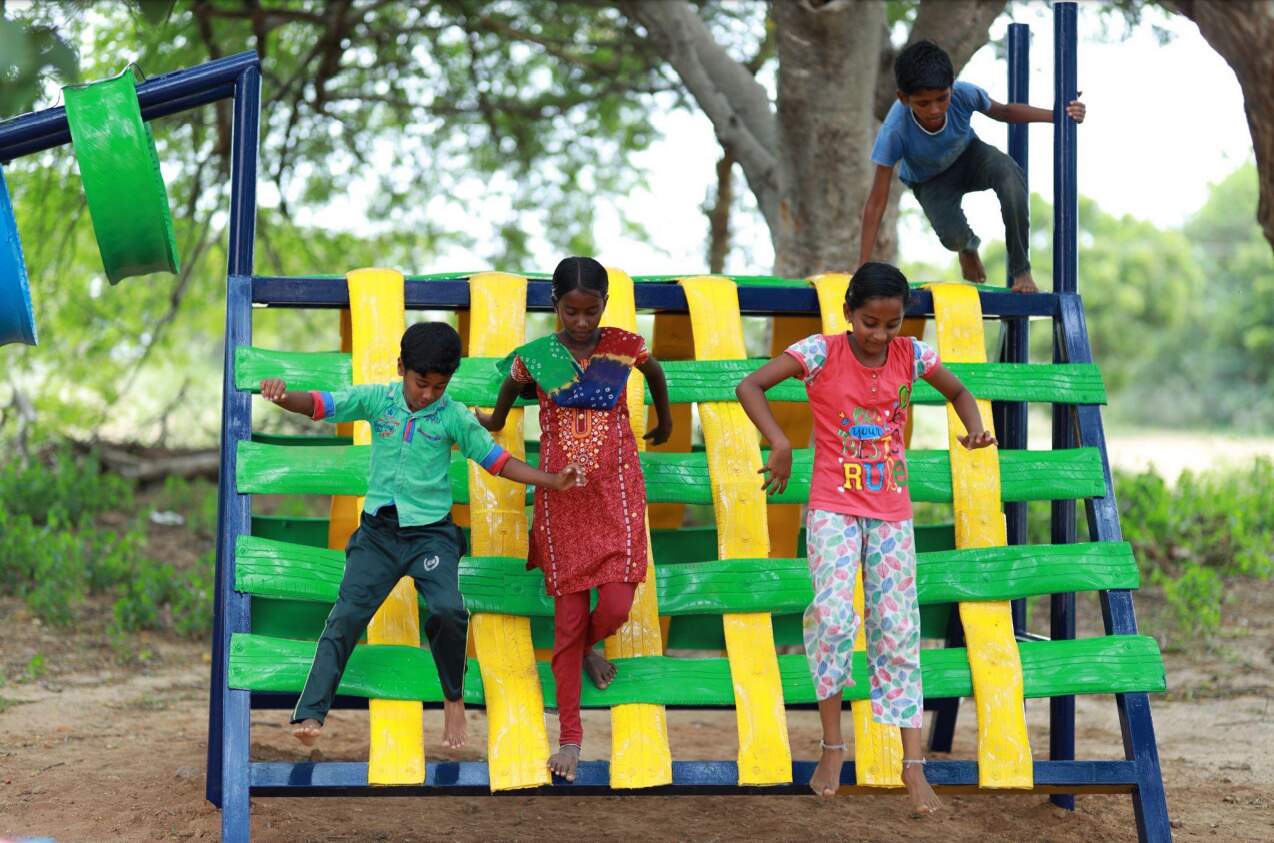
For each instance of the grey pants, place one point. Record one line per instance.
(378, 555)
(980, 167)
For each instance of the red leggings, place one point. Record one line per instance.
(574, 631)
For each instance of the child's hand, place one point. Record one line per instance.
(981, 439)
(273, 389)
(1076, 110)
(487, 420)
(571, 475)
(777, 470)
(659, 434)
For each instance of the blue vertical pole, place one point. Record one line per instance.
(234, 514)
(1065, 202)
(1150, 805)
(1065, 280)
(1016, 348)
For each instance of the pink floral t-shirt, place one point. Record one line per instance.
(860, 461)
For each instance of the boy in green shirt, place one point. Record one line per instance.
(406, 527)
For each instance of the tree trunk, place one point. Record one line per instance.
(1242, 32)
(719, 214)
(828, 59)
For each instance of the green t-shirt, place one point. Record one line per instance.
(411, 452)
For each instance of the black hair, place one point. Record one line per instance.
(580, 274)
(876, 280)
(431, 347)
(923, 66)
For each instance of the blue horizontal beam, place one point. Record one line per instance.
(470, 778)
(158, 97)
(453, 294)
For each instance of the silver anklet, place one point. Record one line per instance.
(912, 762)
(822, 744)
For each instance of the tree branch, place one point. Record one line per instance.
(1240, 33)
(725, 89)
(958, 26)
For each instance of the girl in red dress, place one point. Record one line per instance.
(593, 536)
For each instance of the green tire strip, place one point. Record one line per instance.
(1111, 664)
(477, 382)
(123, 184)
(677, 477)
(282, 570)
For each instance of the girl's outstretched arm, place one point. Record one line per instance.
(494, 420)
(751, 394)
(966, 406)
(659, 392)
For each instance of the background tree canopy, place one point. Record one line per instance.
(496, 124)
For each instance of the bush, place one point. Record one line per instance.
(1190, 537)
(64, 485)
(54, 553)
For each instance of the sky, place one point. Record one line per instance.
(1163, 122)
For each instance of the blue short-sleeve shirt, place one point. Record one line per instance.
(925, 154)
(411, 452)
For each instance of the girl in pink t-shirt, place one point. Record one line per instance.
(859, 387)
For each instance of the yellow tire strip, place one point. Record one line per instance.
(734, 458)
(639, 752)
(377, 320)
(517, 741)
(1004, 752)
(345, 509)
(877, 746)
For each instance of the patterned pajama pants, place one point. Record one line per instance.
(837, 545)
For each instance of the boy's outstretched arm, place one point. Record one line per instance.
(1018, 112)
(751, 394)
(494, 420)
(276, 391)
(966, 406)
(654, 373)
(873, 212)
(516, 470)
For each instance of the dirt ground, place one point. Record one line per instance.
(94, 748)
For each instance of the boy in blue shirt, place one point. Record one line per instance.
(928, 132)
(406, 527)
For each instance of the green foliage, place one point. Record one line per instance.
(36, 667)
(27, 53)
(1195, 596)
(57, 552)
(454, 123)
(1181, 320)
(1191, 537)
(1222, 520)
(195, 500)
(63, 486)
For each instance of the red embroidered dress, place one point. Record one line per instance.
(596, 534)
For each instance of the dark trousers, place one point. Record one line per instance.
(575, 630)
(378, 555)
(980, 167)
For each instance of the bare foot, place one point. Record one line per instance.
(971, 267)
(601, 671)
(1024, 283)
(923, 799)
(564, 761)
(826, 779)
(453, 723)
(307, 731)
